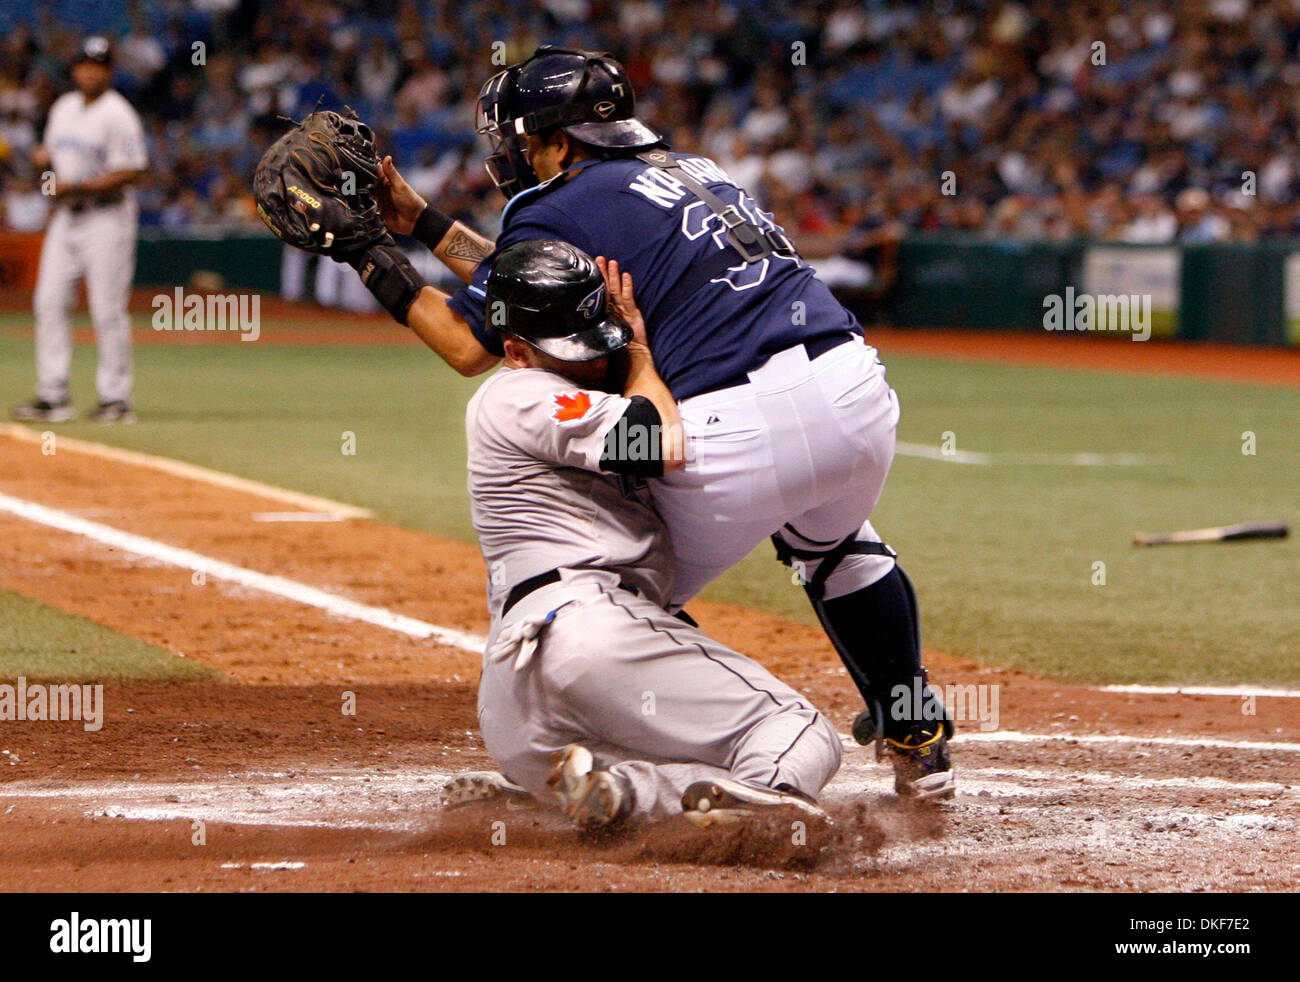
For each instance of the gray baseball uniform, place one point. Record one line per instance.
(594, 658)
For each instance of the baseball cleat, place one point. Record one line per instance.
(40, 411)
(113, 412)
(591, 797)
(474, 786)
(725, 802)
(922, 768)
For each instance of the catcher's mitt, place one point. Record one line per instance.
(314, 186)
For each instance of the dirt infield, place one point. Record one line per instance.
(1075, 789)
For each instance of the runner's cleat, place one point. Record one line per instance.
(725, 802)
(475, 786)
(592, 797)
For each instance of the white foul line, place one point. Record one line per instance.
(290, 589)
(1236, 691)
(179, 468)
(955, 456)
(1013, 736)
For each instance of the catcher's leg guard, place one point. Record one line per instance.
(878, 628)
(877, 632)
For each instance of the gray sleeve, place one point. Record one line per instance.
(548, 418)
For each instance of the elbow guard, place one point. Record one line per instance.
(633, 445)
(388, 274)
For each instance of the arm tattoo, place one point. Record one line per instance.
(467, 245)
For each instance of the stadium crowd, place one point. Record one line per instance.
(1133, 120)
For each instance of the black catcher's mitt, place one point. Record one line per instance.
(314, 186)
(315, 190)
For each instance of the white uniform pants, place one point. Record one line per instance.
(802, 451)
(99, 245)
(339, 285)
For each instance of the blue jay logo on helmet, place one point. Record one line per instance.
(593, 304)
(552, 297)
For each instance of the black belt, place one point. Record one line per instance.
(79, 205)
(816, 347)
(524, 587)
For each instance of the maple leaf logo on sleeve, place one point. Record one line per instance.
(572, 406)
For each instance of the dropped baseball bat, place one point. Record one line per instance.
(1223, 533)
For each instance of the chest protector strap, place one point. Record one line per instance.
(749, 243)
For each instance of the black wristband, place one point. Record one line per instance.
(431, 226)
(388, 274)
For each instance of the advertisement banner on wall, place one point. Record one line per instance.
(1291, 297)
(1128, 272)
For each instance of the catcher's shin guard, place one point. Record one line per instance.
(877, 632)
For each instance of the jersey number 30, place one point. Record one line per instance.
(698, 220)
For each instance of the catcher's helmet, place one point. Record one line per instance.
(587, 94)
(550, 294)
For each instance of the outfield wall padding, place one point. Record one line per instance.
(249, 261)
(1235, 293)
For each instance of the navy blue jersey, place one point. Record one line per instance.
(657, 229)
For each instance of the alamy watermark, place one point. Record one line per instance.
(966, 703)
(1130, 313)
(102, 935)
(640, 443)
(179, 311)
(53, 703)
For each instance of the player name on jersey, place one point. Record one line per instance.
(664, 190)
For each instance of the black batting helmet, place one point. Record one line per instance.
(587, 94)
(550, 294)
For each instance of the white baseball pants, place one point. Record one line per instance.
(802, 450)
(99, 245)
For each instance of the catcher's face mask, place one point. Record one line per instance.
(507, 164)
(585, 93)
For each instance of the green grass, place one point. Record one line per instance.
(1002, 555)
(279, 415)
(48, 645)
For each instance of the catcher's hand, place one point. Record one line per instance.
(315, 187)
(399, 203)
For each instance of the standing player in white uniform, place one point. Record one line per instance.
(94, 144)
(591, 691)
